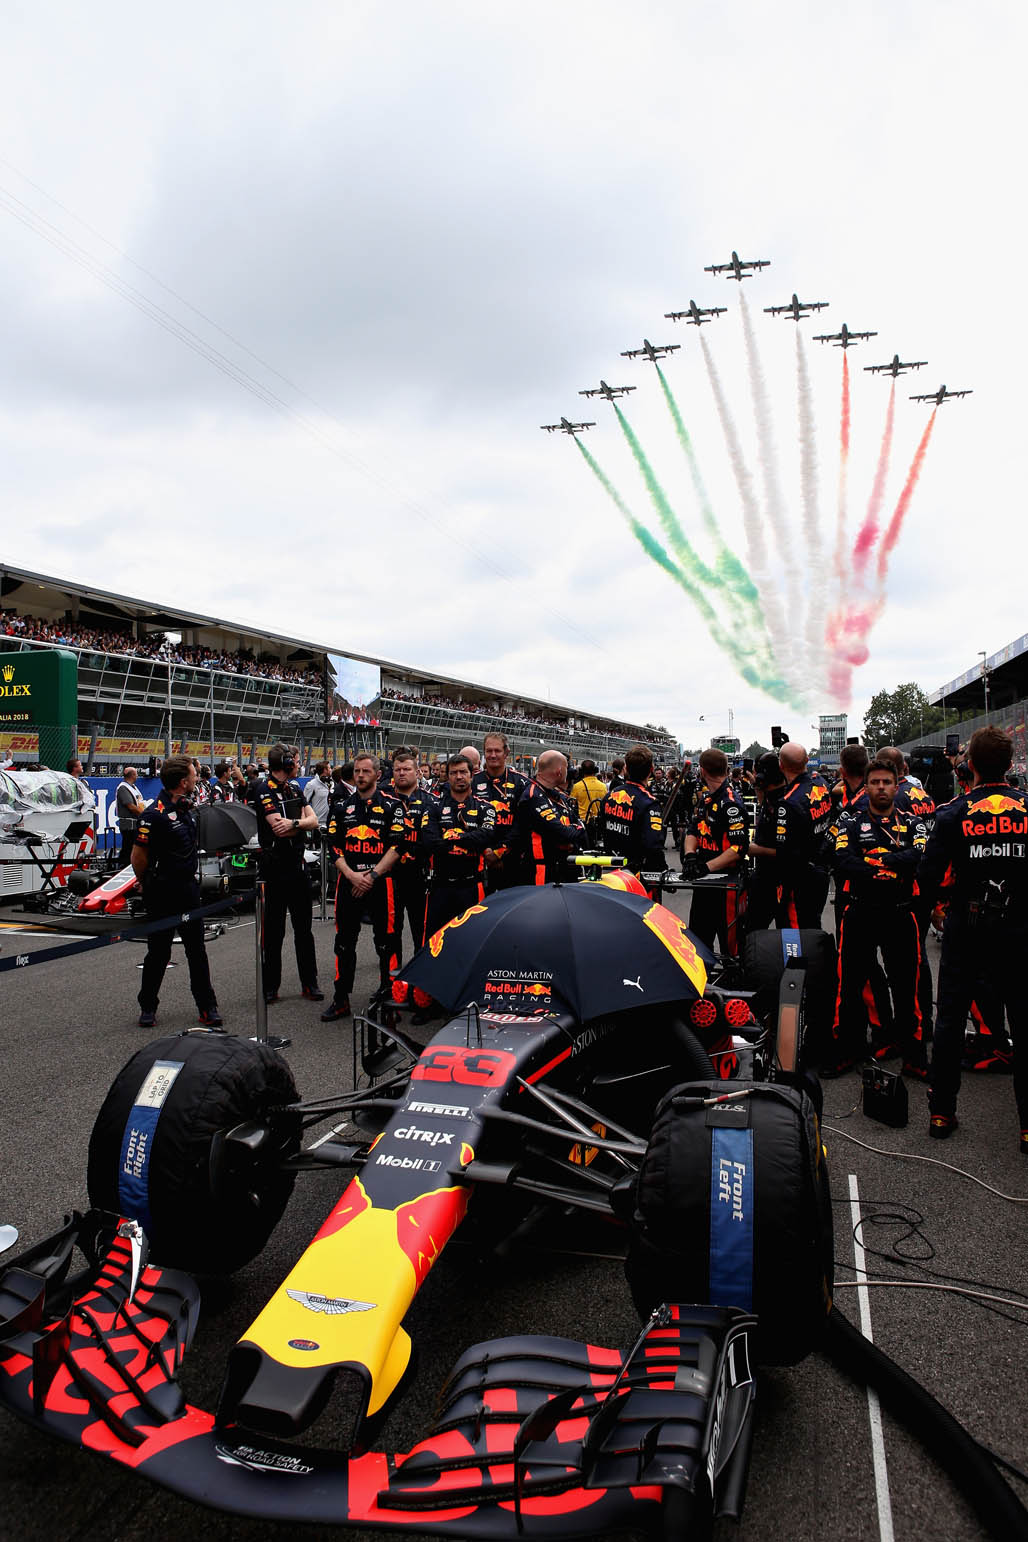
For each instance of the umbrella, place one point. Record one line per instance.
(224, 826)
(585, 947)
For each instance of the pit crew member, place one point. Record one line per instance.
(804, 815)
(365, 835)
(548, 825)
(502, 786)
(878, 848)
(164, 859)
(457, 830)
(981, 839)
(631, 822)
(283, 820)
(716, 843)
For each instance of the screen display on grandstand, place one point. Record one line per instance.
(352, 684)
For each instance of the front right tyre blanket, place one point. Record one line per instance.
(157, 1152)
(733, 1208)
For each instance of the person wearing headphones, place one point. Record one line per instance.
(283, 819)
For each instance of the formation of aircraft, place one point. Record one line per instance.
(651, 351)
(695, 314)
(603, 389)
(939, 396)
(739, 267)
(843, 339)
(795, 308)
(895, 367)
(565, 427)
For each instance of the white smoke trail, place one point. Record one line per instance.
(756, 552)
(814, 630)
(774, 506)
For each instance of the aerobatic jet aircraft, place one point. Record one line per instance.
(565, 427)
(738, 267)
(651, 351)
(695, 315)
(603, 389)
(939, 396)
(895, 367)
(843, 339)
(795, 308)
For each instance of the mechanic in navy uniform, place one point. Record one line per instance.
(164, 859)
(548, 824)
(878, 848)
(283, 819)
(716, 842)
(365, 835)
(411, 872)
(849, 791)
(502, 786)
(631, 821)
(981, 840)
(762, 887)
(457, 830)
(804, 815)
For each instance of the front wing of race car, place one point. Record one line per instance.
(538, 1436)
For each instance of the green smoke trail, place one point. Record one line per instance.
(731, 571)
(665, 513)
(649, 543)
(733, 646)
(741, 620)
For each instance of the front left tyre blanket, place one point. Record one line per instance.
(733, 1208)
(157, 1151)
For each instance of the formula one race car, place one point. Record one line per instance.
(528, 1096)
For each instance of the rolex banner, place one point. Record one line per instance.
(39, 698)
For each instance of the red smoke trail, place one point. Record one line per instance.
(868, 533)
(844, 457)
(892, 533)
(847, 630)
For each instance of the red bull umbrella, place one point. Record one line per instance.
(582, 947)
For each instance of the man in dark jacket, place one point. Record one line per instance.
(164, 859)
(981, 840)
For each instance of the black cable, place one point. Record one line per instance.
(967, 1462)
(914, 1222)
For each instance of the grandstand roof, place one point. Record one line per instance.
(1008, 679)
(114, 607)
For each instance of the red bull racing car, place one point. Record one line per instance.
(525, 1103)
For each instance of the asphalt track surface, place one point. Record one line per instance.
(69, 1026)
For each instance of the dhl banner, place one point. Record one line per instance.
(126, 749)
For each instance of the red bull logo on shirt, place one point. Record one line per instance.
(996, 815)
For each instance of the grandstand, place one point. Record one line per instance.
(151, 678)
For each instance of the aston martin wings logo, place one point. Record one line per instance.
(332, 1306)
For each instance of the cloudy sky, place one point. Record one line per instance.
(289, 291)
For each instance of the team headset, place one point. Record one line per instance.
(283, 760)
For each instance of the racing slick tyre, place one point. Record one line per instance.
(158, 1151)
(764, 958)
(733, 1208)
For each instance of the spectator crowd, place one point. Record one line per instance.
(70, 635)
